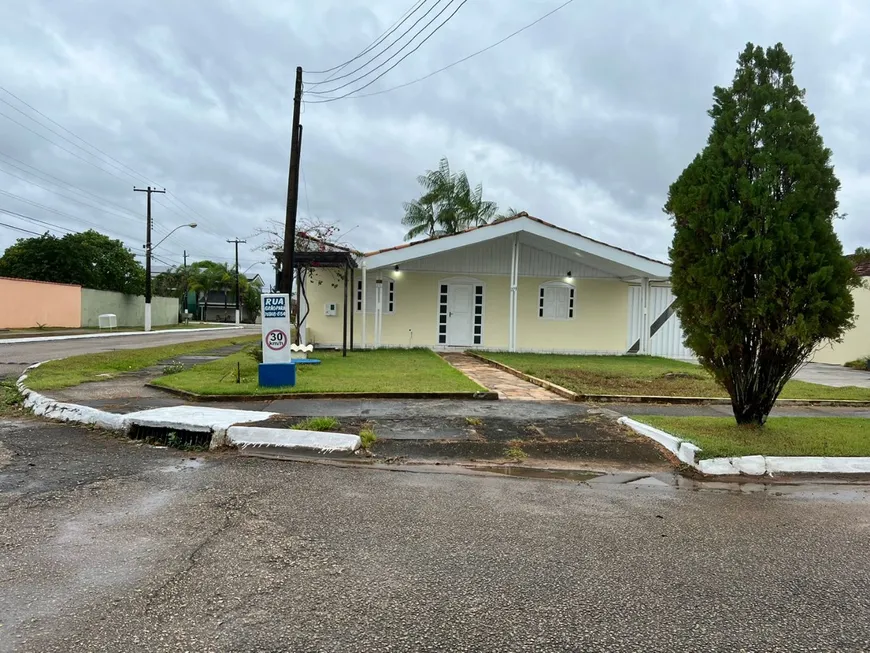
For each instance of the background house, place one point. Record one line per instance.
(856, 342)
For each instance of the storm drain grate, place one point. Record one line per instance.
(176, 438)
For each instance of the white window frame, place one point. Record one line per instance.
(541, 301)
(389, 299)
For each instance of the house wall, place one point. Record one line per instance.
(27, 304)
(856, 342)
(130, 309)
(600, 323)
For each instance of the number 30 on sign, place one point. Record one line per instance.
(276, 340)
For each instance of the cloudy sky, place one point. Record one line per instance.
(583, 120)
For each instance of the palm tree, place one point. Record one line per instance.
(208, 276)
(447, 206)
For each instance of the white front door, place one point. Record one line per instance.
(460, 315)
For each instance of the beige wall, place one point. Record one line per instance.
(25, 304)
(856, 342)
(129, 309)
(600, 322)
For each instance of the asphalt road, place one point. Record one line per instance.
(109, 545)
(15, 357)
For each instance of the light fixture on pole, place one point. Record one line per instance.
(149, 248)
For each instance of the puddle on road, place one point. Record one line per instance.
(188, 463)
(534, 472)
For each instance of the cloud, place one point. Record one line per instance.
(584, 120)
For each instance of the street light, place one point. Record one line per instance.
(148, 249)
(252, 265)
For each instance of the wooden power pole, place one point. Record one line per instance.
(292, 190)
(148, 190)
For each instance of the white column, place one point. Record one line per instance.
(302, 307)
(238, 317)
(644, 316)
(512, 318)
(365, 317)
(379, 307)
(147, 316)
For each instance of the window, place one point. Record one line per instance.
(556, 301)
(388, 298)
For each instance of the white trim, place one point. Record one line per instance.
(116, 334)
(644, 317)
(571, 308)
(635, 265)
(379, 308)
(297, 441)
(514, 282)
(687, 452)
(364, 314)
(461, 281)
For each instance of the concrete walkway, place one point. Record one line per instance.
(833, 375)
(506, 385)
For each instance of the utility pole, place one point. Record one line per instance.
(236, 241)
(292, 190)
(148, 190)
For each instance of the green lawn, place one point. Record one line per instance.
(780, 436)
(68, 372)
(382, 370)
(647, 375)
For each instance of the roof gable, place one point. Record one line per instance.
(544, 234)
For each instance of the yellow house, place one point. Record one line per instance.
(856, 341)
(519, 284)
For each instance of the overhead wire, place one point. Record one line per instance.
(385, 50)
(419, 45)
(27, 231)
(398, 52)
(373, 45)
(470, 56)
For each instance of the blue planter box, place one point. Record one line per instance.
(272, 375)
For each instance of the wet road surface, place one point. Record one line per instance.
(109, 545)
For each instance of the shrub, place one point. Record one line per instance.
(860, 364)
(317, 424)
(367, 437)
(173, 368)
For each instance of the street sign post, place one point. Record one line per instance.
(276, 368)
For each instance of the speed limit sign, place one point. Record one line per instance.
(276, 340)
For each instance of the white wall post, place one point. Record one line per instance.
(302, 306)
(379, 308)
(644, 316)
(148, 316)
(512, 318)
(365, 317)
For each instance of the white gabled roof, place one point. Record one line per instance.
(621, 261)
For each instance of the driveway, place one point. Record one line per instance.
(835, 375)
(114, 546)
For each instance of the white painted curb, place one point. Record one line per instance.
(297, 441)
(114, 334)
(45, 407)
(686, 452)
(220, 422)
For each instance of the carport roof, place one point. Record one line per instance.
(631, 262)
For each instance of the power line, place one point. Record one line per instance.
(387, 49)
(380, 39)
(419, 45)
(27, 231)
(66, 183)
(73, 199)
(70, 132)
(399, 51)
(37, 220)
(464, 59)
(61, 147)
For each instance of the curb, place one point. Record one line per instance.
(193, 396)
(687, 452)
(221, 423)
(114, 334)
(655, 399)
(293, 441)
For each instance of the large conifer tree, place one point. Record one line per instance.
(758, 271)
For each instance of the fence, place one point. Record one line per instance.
(25, 304)
(130, 309)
